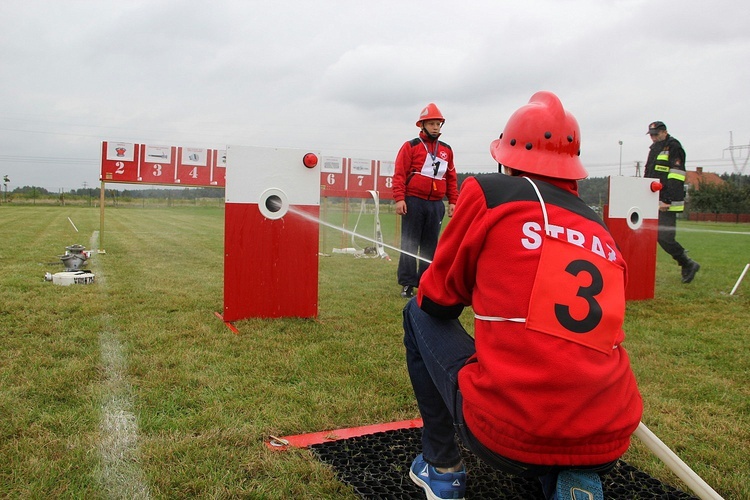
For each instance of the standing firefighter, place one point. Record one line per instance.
(424, 176)
(544, 388)
(666, 162)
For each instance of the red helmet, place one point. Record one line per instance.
(430, 112)
(541, 138)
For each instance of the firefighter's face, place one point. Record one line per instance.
(432, 126)
(659, 136)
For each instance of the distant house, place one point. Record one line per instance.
(695, 179)
(700, 178)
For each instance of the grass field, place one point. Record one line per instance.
(132, 388)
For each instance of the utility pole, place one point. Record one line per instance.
(739, 169)
(620, 142)
(85, 186)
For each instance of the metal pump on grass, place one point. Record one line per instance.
(75, 257)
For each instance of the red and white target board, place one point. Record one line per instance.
(356, 177)
(219, 170)
(333, 176)
(271, 233)
(194, 166)
(120, 161)
(361, 178)
(386, 170)
(157, 165)
(130, 163)
(632, 217)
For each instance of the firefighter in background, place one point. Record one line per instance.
(424, 176)
(544, 388)
(666, 162)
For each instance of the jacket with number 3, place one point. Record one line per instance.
(550, 382)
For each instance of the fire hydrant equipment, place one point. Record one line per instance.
(75, 257)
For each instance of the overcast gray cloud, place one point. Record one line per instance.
(349, 78)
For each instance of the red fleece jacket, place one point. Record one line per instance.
(534, 397)
(424, 168)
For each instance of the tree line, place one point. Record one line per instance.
(154, 193)
(733, 196)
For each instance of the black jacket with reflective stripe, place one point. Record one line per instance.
(667, 157)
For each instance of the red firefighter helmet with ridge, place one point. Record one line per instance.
(541, 138)
(430, 112)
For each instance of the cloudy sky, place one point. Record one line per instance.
(349, 77)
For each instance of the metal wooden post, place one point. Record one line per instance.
(101, 219)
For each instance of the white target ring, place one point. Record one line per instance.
(635, 218)
(273, 203)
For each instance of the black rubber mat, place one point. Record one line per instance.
(377, 466)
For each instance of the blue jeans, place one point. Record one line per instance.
(436, 350)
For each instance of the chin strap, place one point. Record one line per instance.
(433, 137)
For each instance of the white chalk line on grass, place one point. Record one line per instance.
(121, 475)
(715, 231)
